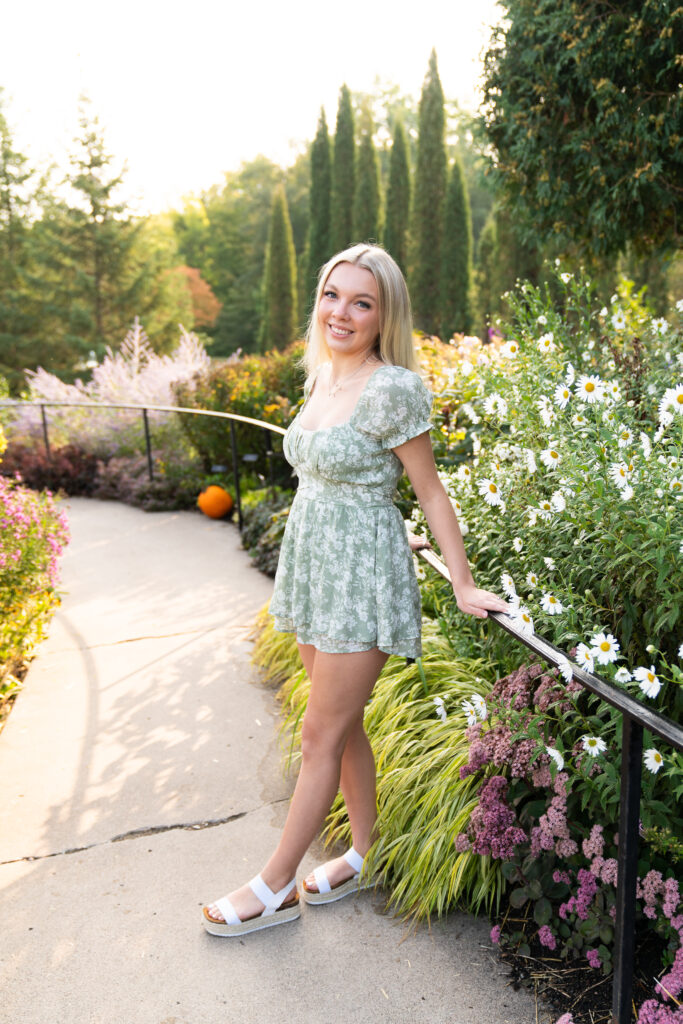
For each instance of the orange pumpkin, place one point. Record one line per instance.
(215, 502)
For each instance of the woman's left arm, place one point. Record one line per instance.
(418, 461)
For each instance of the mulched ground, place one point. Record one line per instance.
(577, 988)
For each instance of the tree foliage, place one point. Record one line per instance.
(430, 187)
(456, 261)
(397, 214)
(366, 202)
(343, 174)
(280, 319)
(320, 196)
(584, 110)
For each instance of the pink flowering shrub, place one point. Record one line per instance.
(33, 533)
(537, 815)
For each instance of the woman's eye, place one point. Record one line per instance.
(329, 294)
(363, 305)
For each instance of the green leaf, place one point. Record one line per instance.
(518, 897)
(543, 911)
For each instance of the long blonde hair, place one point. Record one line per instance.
(395, 341)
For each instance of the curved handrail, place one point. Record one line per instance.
(232, 418)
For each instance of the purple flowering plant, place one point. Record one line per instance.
(539, 818)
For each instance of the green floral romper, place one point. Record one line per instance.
(345, 579)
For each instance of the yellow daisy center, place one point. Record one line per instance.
(493, 489)
(590, 386)
(679, 399)
(605, 645)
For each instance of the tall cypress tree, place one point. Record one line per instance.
(343, 174)
(430, 188)
(456, 257)
(280, 321)
(319, 228)
(366, 202)
(398, 199)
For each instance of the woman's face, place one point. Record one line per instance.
(348, 311)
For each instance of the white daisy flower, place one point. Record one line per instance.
(523, 620)
(531, 579)
(532, 516)
(466, 368)
(470, 713)
(464, 474)
(556, 756)
(551, 457)
(579, 420)
(680, 649)
(544, 510)
(495, 405)
(546, 343)
(518, 544)
(550, 563)
(604, 648)
(543, 320)
(646, 445)
(511, 349)
(479, 705)
(508, 584)
(490, 492)
(604, 311)
(469, 411)
(618, 321)
(530, 460)
(566, 278)
(593, 745)
(551, 605)
(562, 395)
(647, 681)
(464, 528)
(558, 501)
(660, 325)
(566, 671)
(440, 709)
(457, 507)
(625, 437)
(589, 388)
(676, 398)
(679, 305)
(584, 658)
(569, 374)
(546, 413)
(675, 485)
(612, 390)
(653, 760)
(619, 473)
(626, 493)
(622, 675)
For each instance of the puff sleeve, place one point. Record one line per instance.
(395, 408)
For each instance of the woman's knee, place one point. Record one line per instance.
(321, 737)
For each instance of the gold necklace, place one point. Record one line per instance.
(337, 386)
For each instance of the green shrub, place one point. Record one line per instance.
(264, 517)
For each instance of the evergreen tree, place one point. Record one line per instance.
(487, 282)
(343, 174)
(430, 187)
(93, 280)
(17, 305)
(398, 199)
(456, 259)
(280, 322)
(319, 249)
(366, 201)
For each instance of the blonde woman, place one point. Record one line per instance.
(345, 582)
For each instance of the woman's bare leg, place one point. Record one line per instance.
(340, 687)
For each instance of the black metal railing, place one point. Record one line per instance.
(636, 716)
(233, 418)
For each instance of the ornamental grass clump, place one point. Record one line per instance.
(417, 730)
(33, 533)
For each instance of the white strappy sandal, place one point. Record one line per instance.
(327, 894)
(275, 911)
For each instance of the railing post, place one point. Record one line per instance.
(45, 437)
(148, 445)
(627, 870)
(269, 459)
(236, 473)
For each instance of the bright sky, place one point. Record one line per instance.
(188, 90)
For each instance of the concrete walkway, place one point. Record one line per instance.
(142, 776)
